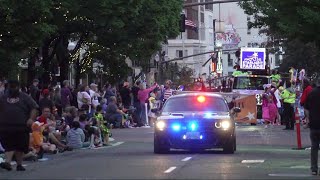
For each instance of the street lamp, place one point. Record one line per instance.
(219, 63)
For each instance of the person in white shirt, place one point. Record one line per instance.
(168, 92)
(279, 104)
(84, 99)
(94, 96)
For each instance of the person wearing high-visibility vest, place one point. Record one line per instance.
(288, 96)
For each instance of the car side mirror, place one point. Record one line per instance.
(237, 109)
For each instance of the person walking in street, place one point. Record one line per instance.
(311, 106)
(17, 113)
(289, 98)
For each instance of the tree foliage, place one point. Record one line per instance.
(288, 18)
(292, 24)
(179, 75)
(42, 29)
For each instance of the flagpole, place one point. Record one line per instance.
(183, 60)
(199, 35)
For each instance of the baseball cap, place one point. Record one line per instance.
(125, 84)
(93, 85)
(45, 92)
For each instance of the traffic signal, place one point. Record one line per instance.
(182, 24)
(214, 57)
(238, 53)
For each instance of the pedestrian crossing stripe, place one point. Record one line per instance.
(252, 161)
(289, 175)
(300, 167)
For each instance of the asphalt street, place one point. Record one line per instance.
(261, 154)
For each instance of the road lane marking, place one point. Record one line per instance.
(186, 159)
(252, 161)
(290, 175)
(170, 169)
(300, 167)
(104, 147)
(117, 144)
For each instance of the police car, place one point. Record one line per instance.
(195, 121)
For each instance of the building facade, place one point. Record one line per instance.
(232, 19)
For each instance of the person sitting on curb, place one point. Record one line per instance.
(38, 142)
(100, 120)
(75, 136)
(113, 113)
(50, 129)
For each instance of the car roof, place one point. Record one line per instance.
(208, 94)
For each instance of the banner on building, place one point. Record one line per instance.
(253, 58)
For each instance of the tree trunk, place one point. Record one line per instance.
(77, 74)
(31, 66)
(63, 58)
(45, 80)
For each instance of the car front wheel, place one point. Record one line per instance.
(230, 146)
(159, 147)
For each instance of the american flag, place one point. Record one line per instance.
(190, 24)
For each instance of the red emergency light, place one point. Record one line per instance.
(201, 99)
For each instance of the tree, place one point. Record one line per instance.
(126, 28)
(290, 19)
(23, 26)
(301, 56)
(179, 75)
(156, 22)
(293, 25)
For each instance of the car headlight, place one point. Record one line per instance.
(225, 124)
(160, 125)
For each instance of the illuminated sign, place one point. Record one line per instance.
(252, 58)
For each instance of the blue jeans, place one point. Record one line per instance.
(137, 113)
(315, 140)
(143, 113)
(116, 119)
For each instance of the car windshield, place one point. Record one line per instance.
(251, 83)
(192, 103)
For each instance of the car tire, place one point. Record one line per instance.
(235, 143)
(230, 147)
(253, 124)
(160, 148)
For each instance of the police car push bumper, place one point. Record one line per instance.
(194, 134)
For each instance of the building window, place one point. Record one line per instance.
(179, 53)
(277, 60)
(202, 17)
(249, 31)
(209, 6)
(230, 61)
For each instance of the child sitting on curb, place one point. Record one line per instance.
(100, 123)
(38, 142)
(75, 136)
